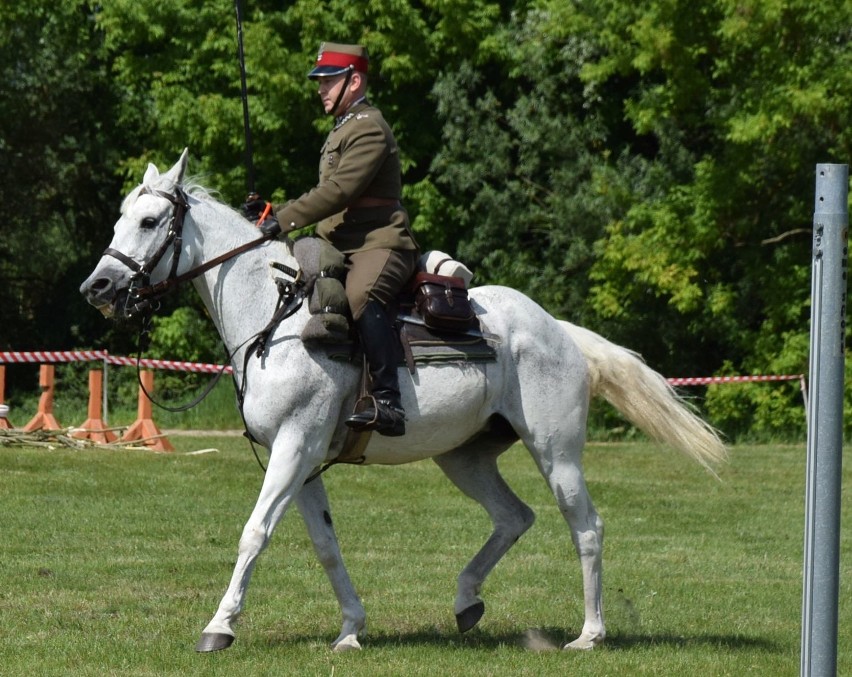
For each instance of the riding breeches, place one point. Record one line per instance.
(378, 274)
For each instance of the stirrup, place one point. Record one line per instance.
(378, 415)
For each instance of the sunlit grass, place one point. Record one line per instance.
(113, 562)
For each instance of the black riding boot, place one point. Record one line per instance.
(384, 413)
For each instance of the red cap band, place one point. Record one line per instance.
(341, 60)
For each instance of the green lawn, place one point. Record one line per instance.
(113, 562)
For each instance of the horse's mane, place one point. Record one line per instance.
(191, 186)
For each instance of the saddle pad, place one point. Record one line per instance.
(421, 344)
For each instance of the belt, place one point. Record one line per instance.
(366, 202)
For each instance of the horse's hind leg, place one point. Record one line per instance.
(550, 415)
(475, 473)
(312, 502)
(566, 480)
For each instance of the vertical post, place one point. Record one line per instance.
(105, 404)
(44, 418)
(94, 427)
(4, 410)
(143, 428)
(825, 422)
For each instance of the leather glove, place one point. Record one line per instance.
(270, 226)
(253, 208)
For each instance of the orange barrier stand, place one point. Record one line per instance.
(44, 419)
(94, 428)
(4, 422)
(144, 427)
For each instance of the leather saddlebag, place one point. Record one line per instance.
(443, 302)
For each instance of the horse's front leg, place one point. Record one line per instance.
(289, 465)
(312, 502)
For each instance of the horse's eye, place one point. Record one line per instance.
(148, 222)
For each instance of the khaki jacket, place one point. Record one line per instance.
(359, 161)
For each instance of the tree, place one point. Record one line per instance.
(742, 99)
(58, 147)
(685, 139)
(517, 160)
(644, 169)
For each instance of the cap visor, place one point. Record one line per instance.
(326, 72)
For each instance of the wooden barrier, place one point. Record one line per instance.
(144, 427)
(4, 421)
(94, 428)
(44, 419)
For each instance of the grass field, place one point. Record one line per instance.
(113, 562)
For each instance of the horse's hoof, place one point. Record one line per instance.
(348, 643)
(468, 618)
(213, 641)
(583, 643)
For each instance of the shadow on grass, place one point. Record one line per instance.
(730, 642)
(540, 639)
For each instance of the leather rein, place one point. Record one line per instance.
(142, 295)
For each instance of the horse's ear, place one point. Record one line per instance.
(151, 175)
(175, 174)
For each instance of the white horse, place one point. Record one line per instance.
(463, 416)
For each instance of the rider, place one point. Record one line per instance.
(356, 206)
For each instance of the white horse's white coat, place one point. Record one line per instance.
(541, 383)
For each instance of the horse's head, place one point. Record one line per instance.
(146, 247)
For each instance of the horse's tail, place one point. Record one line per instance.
(646, 399)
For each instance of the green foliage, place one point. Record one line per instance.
(720, 241)
(515, 160)
(644, 169)
(57, 150)
(184, 333)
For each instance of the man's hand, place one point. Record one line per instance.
(270, 226)
(253, 208)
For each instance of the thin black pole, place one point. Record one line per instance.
(244, 94)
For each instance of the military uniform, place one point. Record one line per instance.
(356, 206)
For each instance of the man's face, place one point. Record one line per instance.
(329, 90)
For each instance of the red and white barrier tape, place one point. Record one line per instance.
(46, 357)
(710, 380)
(195, 367)
(40, 357)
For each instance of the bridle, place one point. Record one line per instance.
(141, 294)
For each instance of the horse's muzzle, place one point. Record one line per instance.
(103, 295)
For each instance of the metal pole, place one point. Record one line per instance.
(244, 94)
(825, 422)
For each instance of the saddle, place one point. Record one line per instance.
(435, 319)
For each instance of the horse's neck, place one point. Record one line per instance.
(239, 294)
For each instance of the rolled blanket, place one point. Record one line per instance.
(439, 263)
(323, 271)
